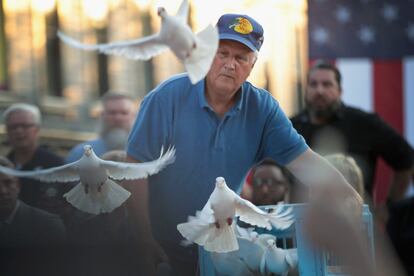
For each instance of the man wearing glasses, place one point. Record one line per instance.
(22, 122)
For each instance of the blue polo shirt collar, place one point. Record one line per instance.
(200, 87)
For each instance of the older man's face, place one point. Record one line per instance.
(9, 191)
(231, 66)
(22, 131)
(118, 113)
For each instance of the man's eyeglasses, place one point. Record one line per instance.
(258, 182)
(17, 126)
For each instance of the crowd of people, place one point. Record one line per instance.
(220, 126)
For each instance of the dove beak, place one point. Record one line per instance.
(88, 153)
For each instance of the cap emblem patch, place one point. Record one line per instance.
(242, 25)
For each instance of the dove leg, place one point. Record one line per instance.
(217, 225)
(229, 221)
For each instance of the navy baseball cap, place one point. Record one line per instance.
(241, 28)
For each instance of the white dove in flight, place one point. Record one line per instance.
(96, 191)
(277, 260)
(195, 51)
(213, 227)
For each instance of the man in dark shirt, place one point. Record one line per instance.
(329, 126)
(22, 122)
(30, 239)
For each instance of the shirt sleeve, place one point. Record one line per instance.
(151, 129)
(281, 141)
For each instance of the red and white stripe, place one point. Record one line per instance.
(387, 88)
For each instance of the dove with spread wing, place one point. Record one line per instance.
(277, 260)
(96, 191)
(213, 226)
(196, 51)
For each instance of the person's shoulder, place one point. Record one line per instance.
(76, 152)
(258, 95)
(78, 147)
(38, 215)
(356, 114)
(248, 87)
(47, 228)
(355, 111)
(172, 85)
(93, 143)
(301, 117)
(46, 155)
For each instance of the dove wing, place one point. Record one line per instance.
(242, 232)
(281, 218)
(65, 173)
(124, 170)
(292, 257)
(199, 62)
(182, 12)
(207, 214)
(248, 212)
(142, 48)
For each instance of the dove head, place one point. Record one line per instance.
(271, 243)
(88, 150)
(220, 182)
(161, 11)
(254, 235)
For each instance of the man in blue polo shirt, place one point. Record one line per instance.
(220, 126)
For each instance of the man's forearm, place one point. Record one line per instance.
(325, 182)
(137, 205)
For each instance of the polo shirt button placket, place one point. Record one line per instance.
(219, 139)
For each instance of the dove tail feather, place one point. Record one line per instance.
(79, 199)
(195, 230)
(221, 240)
(201, 58)
(111, 197)
(213, 239)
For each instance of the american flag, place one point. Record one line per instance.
(372, 43)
